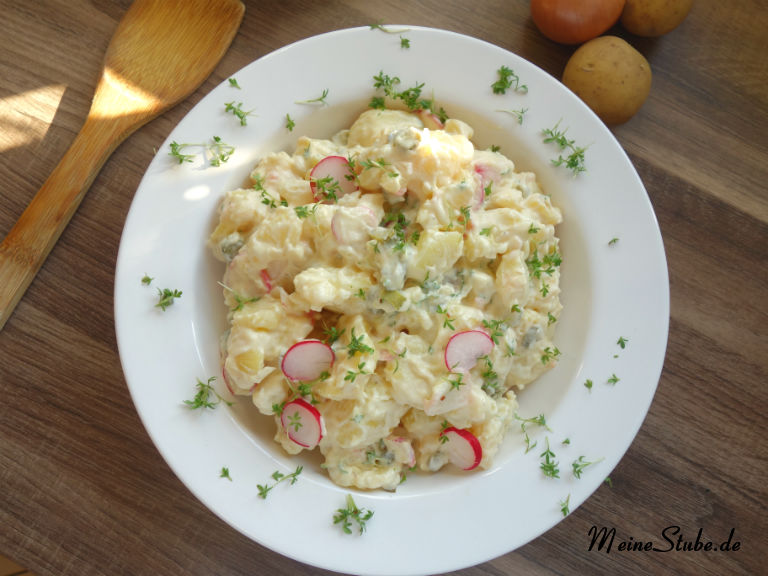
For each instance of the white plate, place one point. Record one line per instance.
(433, 523)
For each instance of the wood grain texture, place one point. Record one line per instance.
(84, 492)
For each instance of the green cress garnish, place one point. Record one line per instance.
(238, 112)
(203, 399)
(278, 477)
(345, 516)
(319, 100)
(574, 161)
(166, 297)
(507, 79)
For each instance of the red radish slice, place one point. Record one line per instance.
(266, 279)
(302, 422)
(307, 360)
(331, 177)
(430, 119)
(464, 349)
(463, 448)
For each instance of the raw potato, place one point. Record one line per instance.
(654, 17)
(610, 76)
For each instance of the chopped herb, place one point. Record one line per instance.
(588, 384)
(549, 354)
(622, 342)
(237, 111)
(495, 148)
(356, 345)
(225, 473)
(575, 159)
(613, 379)
(507, 79)
(495, 329)
(166, 297)
(332, 334)
(566, 442)
(146, 280)
(565, 507)
(352, 375)
(411, 97)
(608, 481)
(220, 151)
(240, 300)
(345, 516)
(405, 43)
(289, 123)
(305, 211)
(486, 231)
(518, 114)
(447, 321)
(319, 100)
(612, 241)
(383, 28)
(328, 188)
(458, 382)
(176, 152)
(490, 378)
(202, 398)
(524, 422)
(549, 465)
(533, 229)
(278, 477)
(233, 83)
(579, 464)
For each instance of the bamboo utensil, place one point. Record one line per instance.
(161, 51)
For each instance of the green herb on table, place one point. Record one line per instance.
(613, 241)
(507, 79)
(146, 280)
(405, 43)
(220, 151)
(565, 506)
(233, 83)
(166, 297)
(177, 154)
(279, 477)
(289, 123)
(203, 398)
(346, 516)
(225, 473)
(588, 384)
(622, 342)
(613, 379)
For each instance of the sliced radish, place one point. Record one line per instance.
(266, 279)
(463, 448)
(307, 360)
(303, 423)
(331, 176)
(430, 119)
(464, 349)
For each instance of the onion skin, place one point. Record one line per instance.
(575, 21)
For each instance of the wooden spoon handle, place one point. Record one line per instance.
(27, 245)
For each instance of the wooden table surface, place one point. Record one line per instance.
(82, 488)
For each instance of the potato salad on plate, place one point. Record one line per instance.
(389, 291)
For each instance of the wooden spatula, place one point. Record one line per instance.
(161, 52)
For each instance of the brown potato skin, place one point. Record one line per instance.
(651, 18)
(610, 76)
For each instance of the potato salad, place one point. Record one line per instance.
(389, 291)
